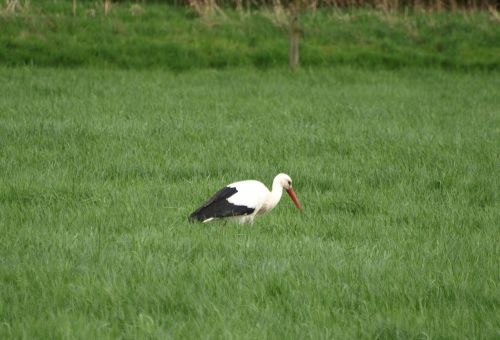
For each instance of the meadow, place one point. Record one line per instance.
(397, 172)
(155, 36)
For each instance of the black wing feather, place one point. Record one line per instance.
(218, 206)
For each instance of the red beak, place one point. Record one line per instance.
(294, 198)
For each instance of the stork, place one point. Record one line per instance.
(242, 201)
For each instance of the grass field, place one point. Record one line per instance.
(177, 39)
(397, 172)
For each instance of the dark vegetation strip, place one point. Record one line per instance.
(145, 36)
(245, 4)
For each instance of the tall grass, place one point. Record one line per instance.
(397, 172)
(392, 4)
(162, 37)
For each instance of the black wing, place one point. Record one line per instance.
(218, 206)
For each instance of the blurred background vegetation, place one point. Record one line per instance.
(186, 34)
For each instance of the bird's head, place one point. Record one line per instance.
(286, 183)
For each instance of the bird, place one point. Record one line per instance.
(244, 200)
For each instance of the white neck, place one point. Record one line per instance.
(275, 195)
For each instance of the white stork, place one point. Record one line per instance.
(244, 200)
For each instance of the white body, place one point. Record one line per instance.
(255, 194)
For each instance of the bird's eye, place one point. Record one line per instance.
(289, 182)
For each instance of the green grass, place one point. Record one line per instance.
(163, 37)
(397, 172)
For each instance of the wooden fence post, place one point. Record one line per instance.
(293, 51)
